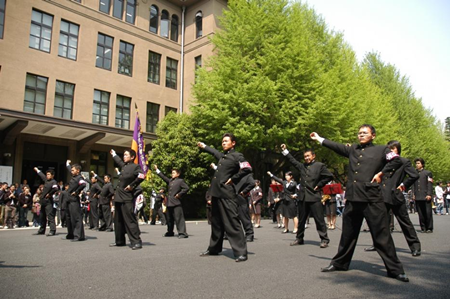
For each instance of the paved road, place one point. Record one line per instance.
(49, 267)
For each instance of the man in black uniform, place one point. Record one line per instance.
(157, 208)
(422, 194)
(177, 188)
(94, 193)
(63, 201)
(75, 227)
(367, 164)
(231, 168)
(46, 201)
(392, 191)
(313, 176)
(125, 220)
(104, 202)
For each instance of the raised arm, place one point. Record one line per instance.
(338, 148)
(40, 174)
(275, 178)
(117, 159)
(291, 158)
(161, 175)
(98, 177)
(210, 150)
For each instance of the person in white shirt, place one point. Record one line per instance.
(439, 198)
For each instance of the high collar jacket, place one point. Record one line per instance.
(76, 184)
(177, 186)
(365, 161)
(423, 187)
(230, 165)
(289, 192)
(50, 187)
(25, 199)
(130, 175)
(311, 175)
(392, 195)
(94, 192)
(107, 192)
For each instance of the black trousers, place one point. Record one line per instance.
(244, 217)
(275, 208)
(175, 216)
(105, 215)
(125, 221)
(93, 213)
(315, 209)
(401, 213)
(161, 215)
(225, 219)
(23, 213)
(425, 211)
(63, 218)
(75, 227)
(377, 219)
(47, 215)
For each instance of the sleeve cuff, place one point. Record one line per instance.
(285, 152)
(320, 139)
(158, 171)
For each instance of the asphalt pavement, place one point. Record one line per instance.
(52, 267)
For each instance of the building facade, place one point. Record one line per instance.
(73, 73)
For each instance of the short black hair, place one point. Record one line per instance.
(108, 175)
(289, 173)
(396, 144)
(309, 150)
(132, 153)
(76, 166)
(51, 171)
(420, 160)
(372, 129)
(177, 170)
(232, 137)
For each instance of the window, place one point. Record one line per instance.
(105, 6)
(68, 40)
(41, 31)
(171, 73)
(35, 93)
(118, 9)
(174, 28)
(126, 58)
(170, 109)
(164, 24)
(123, 112)
(198, 24)
(152, 117)
(64, 100)
(131, 11)
(154, 19)
(104, 51)
(2, 17)
(154, 66)
(198, 64)
(101, 107)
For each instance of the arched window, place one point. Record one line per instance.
(164, 24)
(198, 24)
(174, 28)
(154, 19)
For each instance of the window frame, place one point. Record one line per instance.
(107, 3)
(35, 89)
(123, 108)
(155, 17)
(125, 53)
(68, 34)
(101, 104)
(105, 47)
(174, 26)
(151, 124)
(2, 12)
(198, 24)
(170, 82)
(154, 68)
(121, 9)
(41, 26)
(65, 96)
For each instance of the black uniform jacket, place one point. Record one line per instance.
(289, 189)
(391, 194)
(63, 199)
(76, 184)
(94, 192)
(365, 161)
(176, 186)
(311, 175)
(50, 187)
(245, 185)
(231, 165)
(130, 175)
(107, 192)
(423, 186)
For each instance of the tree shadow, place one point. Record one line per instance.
(2, 265)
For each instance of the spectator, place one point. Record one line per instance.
(439, 199)
(10, 209)
(36, 210)
(25, 203)
(447, 197)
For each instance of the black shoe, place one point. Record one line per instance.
(109, 230)
(38, 234)
(371, 248)
(182, 236)
(332, 268)
(51, 234)
(116, 245)
(241, 258)
(429, 231)
(152, 223)
(80, 239)
(250, 239)
(297, 242)
(102, 229)
(323, 245)
(168, 235)
(402, 277)
(208, 253)
(416, 253)
(70, 237)
(136, 246)
(285, 231)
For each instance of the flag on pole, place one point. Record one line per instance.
(138, 144)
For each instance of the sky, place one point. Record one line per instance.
(412, 35)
